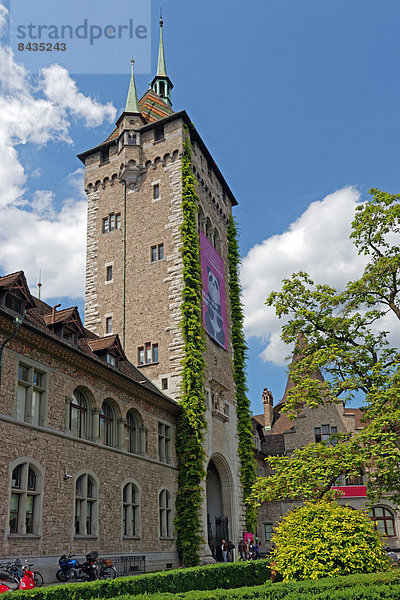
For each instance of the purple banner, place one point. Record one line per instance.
(214, 307)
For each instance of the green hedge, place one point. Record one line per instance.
(209, 577)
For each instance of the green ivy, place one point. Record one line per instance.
(245, 432)
(192, 426)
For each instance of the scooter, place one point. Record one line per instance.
(26, 582)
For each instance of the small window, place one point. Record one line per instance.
(324, 433)
(157, 253)
(104, 155)
(108, 324)
(268, 531)
(111, 223)
(111, 359)
(78, 415)
(156, 191)
(158, 133)
(164, 383)
(109, 273)
(16, 304)
(147, 354)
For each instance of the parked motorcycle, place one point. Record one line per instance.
(26, 582)
(69, 568)
(86, 571)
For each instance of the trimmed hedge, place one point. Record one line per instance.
(209, 577)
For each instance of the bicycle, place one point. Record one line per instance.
(105, 569)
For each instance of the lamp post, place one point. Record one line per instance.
(17, 324)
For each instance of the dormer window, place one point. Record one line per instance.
(111, 359)
(69, 335)
(14, 303)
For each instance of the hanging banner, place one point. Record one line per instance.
(214, 307)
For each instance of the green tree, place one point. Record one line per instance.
(344, 341)
(324, 539)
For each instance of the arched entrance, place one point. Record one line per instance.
(219, 495)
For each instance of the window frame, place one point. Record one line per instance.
(130, 517)
(110, 223)
(30, 389)
(108, 417)
(385, 519)
(26, 465)
(85, 531)
(82, 407)
(164, 445)
(148, 349)
(157, 252)
(165, 529)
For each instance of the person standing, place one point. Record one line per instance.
(242, 549)
(224, 549)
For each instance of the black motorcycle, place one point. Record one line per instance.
(86, 570)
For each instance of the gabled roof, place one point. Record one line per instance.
(67, 316)
(16, 282)
(108, 343)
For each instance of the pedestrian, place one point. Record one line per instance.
(231, 548)
(224, 549)
(256, 550)
(242, 550)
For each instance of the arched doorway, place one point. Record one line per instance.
(219, 491)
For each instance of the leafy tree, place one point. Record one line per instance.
(324, 539)
(344, 341)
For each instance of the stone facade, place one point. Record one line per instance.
(154, 285)
(59, 456)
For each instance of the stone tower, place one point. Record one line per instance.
(134, 278)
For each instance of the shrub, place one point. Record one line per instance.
(209, 577)
(324, 539)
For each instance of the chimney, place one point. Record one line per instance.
(268, 401)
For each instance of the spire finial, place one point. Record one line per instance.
(161, 68)
(132, 102)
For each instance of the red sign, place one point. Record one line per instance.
(248, 537)
(352, 491)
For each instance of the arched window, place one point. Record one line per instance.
(131, 433)
(209, 230)
(130, 510)
(384, 520)
(217, 241)
(165, 510)
(161, 88)
(85, 505)
(25, 498)
(78, 415)
(107, 424)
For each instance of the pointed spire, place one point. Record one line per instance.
(161, 68)
(132, 102)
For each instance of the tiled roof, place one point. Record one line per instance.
(17, 282)
(152, 107)
(39, 313)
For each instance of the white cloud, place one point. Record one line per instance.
(318, 243)
(62, 91)
(35, 233)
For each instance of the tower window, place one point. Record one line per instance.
(162, 88)
(147, 354)
(105, 155)
(108, 324)
(109, 273)
(164, 383)
(157, 252)
(112, 222)
(156, 191)
(158, 133)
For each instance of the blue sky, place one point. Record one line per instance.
(297, 101)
